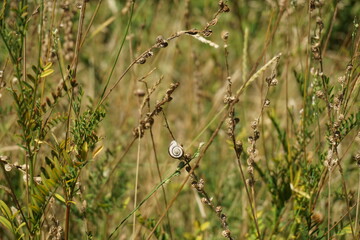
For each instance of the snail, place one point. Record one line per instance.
(175, 150)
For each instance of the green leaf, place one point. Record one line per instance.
(21, 236)
(205, 226)
(59, 197)
(35, 69)
(39, 198)
(43, 189)
(6, 223)
(97, 151)
(5, 209)
(47, 66)
(31, 77)
(47, 72)
(344, 231)
(35, 208)
(20, 226)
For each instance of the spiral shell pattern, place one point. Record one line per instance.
(175, 150)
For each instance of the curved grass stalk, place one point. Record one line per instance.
(174, 174)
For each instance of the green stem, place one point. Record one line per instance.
(176, 173)
(119, 51)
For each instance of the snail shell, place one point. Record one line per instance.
(175, 150)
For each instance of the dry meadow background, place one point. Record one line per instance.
(182, 119)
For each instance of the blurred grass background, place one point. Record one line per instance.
(273, 27)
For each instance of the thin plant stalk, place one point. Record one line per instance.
(329, 204)
(357, 204)
(118, 54)
(136, 184)
(174, 174)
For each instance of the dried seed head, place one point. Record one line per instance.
(148, 54)
(256, 135)
(267, 103)
(141, 60)
(238, 147)
(274, 82)
(226, 233)
(317, 217)
(138, 132)
(319, 94)
(319, 22)
(73, 83)
(161, 42)
(250, 161)
(200, 185)
(250, 182)
(139, 93)
(349, 68)
(225, 36)
(218, 209)
(341, 79)
(207, 32)
(205, 201)
(312, 5)
(223, 6)
(254, 124)
(78, 5)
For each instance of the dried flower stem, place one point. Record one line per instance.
(198, 184)
(136, 184)
(146, 101)
(162, 43)
(202, 153)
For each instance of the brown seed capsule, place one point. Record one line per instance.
(73, 83)
(161, 42)
(238, 147)
(207, 32)
(266, 103)
(141, 60)
(274, 82)
(226, 233)
(139, 93)
(218, 209)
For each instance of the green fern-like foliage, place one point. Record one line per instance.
(350, 123)
(52, 176)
